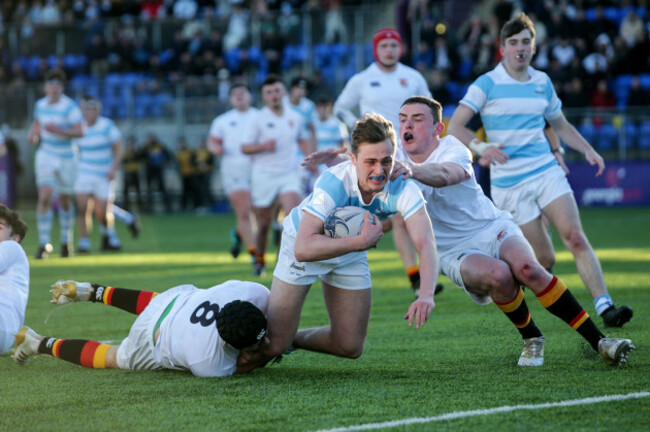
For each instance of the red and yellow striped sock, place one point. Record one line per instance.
(413, 273)
(85, 353)
(133, 301)
(251, 251)
(517, 311)
(559, 301)
(259, 259)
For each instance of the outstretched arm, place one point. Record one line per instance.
(431, 174)
(421, 232)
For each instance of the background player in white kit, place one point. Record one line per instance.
(184, 328)
(381, 88)
(342, 263)
(14, 276)
(330, 131)
(526, 179)
(100, 155)
(481, 249)
(225, 141)
(273, 138)
(57, 119)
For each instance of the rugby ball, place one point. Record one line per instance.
(345, 221)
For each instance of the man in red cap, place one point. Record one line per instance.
(381, 88)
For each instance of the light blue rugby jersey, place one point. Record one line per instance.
(65, 114)
(513, 114)
(96, 147)
(338, 186)
(330, 133)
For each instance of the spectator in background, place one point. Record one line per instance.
(97, 55)
(438, 86)
(272, 47)
(335, 30)
(639, 97)
(185, 9)
(187, 172)
(640, 53)
(51, 15)
(131, 162)
(237, 26)
(152, 9)
(564, 52)
(156, 157)
(596, 64)
(602, 96)
(631, 27)
(444, 58)
(204, 166)
(575, 95)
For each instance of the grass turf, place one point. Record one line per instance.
(463, 359)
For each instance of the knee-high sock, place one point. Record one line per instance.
(122, 215)
(133, 301)
(44, 226)
(66, 220)
(517, 311)
(559, 301)
(86, 353)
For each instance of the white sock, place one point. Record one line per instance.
(602, 303)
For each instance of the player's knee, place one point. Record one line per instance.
(353, 351)
(499, 278)
(576, 241)
(529, 272)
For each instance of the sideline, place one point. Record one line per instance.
(507, 408)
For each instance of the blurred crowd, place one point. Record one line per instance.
(582, 45)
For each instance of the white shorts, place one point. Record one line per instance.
(235, 175)
(6, 336)
(487, 243)
(100, 187)
(525, 201)
(136, 351)
(50, 170)
(350, 271)
(265, 187)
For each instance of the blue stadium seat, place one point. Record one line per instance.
(232, 59)
(322, 56)
(644, 80)
(368, 56)
(631, 134)
(606, 137)
(465, 69)
(588, 131)
(644, 136)
(161, 104)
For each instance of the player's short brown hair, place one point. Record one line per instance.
(55, 74)
(434, 106)
(372, 128)
(270, 80)
(516, 25)
(13, 219)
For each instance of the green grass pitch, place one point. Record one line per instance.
(463, 359)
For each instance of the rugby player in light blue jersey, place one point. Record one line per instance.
(57, 120)
(527, 179)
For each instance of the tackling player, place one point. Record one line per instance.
(381, 88)
(184, 328)
(57, 119)
(526, 178)
(481, 249)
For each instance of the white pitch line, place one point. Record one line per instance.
(507, 408)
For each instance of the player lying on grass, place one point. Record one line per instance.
(306, 254)
(14, 276)
(187, 328)
(481, 249)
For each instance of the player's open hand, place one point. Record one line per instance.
(493, 154)
(595, 159)
(327, 157)
(402, 168)
(419, 311)
(371, 232)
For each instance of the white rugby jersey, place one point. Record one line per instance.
(230, 127)
(457, 212)
(96, 147)
(330, 133)
(189, 338)
(14, 284)
(339, 186)
(287, 130)
(513, 114)
(374, 90)
(65, 114)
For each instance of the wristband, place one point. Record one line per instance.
(559, 150)
(478, 146)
